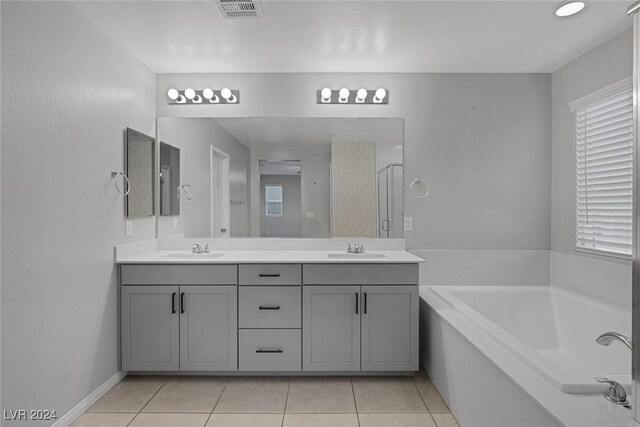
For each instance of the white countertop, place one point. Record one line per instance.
(266, 256)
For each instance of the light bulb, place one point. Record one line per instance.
(173, 94)
(344, 94)
(207, 93)
(325, 94)
(190, 93)
(569, 8)
(361, 95)
(226, 93)
(380, 94)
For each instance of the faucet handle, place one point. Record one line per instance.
(615, 393)
(362, 248)
(349, 248)
(194, 248)
(206, 248)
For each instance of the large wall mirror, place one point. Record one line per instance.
(283, 177)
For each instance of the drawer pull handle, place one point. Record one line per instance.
(182, 310)
(269, 307)
(269, 275)
(357, 304)
(365, 303)
(269, 350)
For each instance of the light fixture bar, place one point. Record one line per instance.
(352, 96)
(205, 96)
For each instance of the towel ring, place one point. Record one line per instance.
(115, 174)
(417, 196)
(184, 187)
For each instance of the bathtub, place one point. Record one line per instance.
(550, 330)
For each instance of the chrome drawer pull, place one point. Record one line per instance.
(269, 307)
(269, 350)
(269, 275)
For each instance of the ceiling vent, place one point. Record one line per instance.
(239, 9)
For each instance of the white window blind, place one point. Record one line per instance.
(273, 199)
(604, 174)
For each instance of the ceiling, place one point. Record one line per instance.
(357, 36)
(310, 134)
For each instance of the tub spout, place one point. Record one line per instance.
(608, 337)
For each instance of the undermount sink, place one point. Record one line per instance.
(192, 255)
(356, 256)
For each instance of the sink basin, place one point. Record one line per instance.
(356, 256)
(190, 255)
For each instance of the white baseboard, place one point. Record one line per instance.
(88, 401)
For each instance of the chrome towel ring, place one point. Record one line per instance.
(115, 174)
(412, 191)
(188, 191)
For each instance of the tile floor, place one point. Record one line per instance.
(153, 401)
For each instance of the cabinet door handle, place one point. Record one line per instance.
(269, 275)
(269, 350)
(173, 303)
(182, 302)
(357, 303)
(269, 307)
(365, 303)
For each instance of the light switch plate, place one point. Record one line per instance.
(175, 222)
(128, 228)
(408, 223)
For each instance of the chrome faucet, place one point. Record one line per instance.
(608, 337)
(197, 249)
(615, 393)
(356, 249)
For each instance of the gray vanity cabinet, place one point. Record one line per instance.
(331, 328)
(390, 328)
(208, 328)
(150, 328)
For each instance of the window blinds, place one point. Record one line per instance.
(604, 174)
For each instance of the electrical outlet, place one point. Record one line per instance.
(175, 222)
(128, 228)
(408, 223)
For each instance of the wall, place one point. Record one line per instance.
(602, 66)
(290, 223)
(68, 93)
(194, 137)
(315, 182)
(482, 142)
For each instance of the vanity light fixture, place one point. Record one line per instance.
(569, 8)
(350, 96)
(206, 96)
(343, 95)
(325, 95)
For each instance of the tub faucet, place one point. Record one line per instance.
(615, 393)
(608, 337)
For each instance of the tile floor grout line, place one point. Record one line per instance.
(226, 383)
(286, 402)
(424, 401)
(355, 403)
(154, 395)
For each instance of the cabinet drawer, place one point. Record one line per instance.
(269, 350)
(270, 274)
(179, 274)
(360, 274)
(269, 306)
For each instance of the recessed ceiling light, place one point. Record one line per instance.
(569, 8)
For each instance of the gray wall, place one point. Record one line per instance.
(482, 142)
(194, 137)
(290, 223)
(602, 66)
(68, 93)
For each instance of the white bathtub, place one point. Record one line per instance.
(550, 330)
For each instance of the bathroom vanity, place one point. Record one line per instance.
(269, 311)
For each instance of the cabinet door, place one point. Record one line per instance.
(150, 328)
(208, 328)
(389, 328)
(331, 328)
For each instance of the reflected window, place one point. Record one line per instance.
(273, 199)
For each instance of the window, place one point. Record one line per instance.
(604, 171)
(273, 200)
